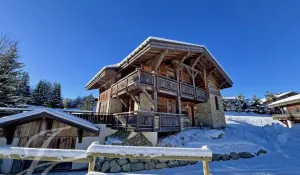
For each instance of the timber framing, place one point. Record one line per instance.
(166, 48)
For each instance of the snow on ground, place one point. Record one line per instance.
(242, 133)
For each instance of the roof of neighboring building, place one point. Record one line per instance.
(55, 114)
(286, 101)
(229, 98)
(263, 100)
(157, 39)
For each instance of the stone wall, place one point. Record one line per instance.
(114, 106)
(208, 115)
(145, 104)
(129, 165)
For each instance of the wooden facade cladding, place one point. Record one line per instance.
(104, 95)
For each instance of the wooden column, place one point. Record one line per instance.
(9, 133)
(206, 169)
(178, 101)
(92, 162)
(206, 83)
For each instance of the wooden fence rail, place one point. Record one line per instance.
(95, 150)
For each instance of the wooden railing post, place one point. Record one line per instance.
(92, 162)
(206, 170)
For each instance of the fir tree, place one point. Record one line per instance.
(66, 103)
(270, 97)
(255, 102)
(88, 103)
(55, 97)
(24, 88)
(10, 70)
(41, 94)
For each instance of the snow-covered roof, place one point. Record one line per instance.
(146, 42)
(229, 98)
(263, 100)
(56, 113)
(287, 101)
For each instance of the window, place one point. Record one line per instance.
(217, 103)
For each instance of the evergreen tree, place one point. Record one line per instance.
(55, 99)
(270, 97)
(255, 102)
(88, 103)
(41, 94)
(242, 103)
(66, 103)
(10, 70)
(24, 88)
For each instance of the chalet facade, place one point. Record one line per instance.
(163, 85)
(290, 108)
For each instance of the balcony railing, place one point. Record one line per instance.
(148, 121)
(163, 84)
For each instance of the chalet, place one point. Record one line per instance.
(163, 85)
(44, 128)
(290, 108)
(280, 96)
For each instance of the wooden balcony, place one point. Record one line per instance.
(164, 86)
(138, 121)
(142, 121)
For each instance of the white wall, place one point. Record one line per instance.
(152, 137)
(7, 163)
(87, 141)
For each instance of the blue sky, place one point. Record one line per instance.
(257, 42)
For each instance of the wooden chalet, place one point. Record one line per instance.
(290, 108)
(43, 128)
(163, 85)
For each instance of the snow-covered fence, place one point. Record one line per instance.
(95, 150)
(161, 153)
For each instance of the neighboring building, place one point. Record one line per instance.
(35, 128)
(163, 85)
(280, 96)
(290, 108)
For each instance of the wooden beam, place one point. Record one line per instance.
(159, 59)
(122, 102)
(188, 70)
(182, 60)
(80, 135)
(205, 83)
(148, 96)
(9, 133)
(211, 71)
(197, 59)
(134, 98)
(222, 84)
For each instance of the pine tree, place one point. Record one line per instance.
(66, 103)
(55, 98)
(10, 70)
(255, 102)
(270, 97)
(88, 103)
(41, 94)
(24, 88)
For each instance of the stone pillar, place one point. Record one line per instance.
(208, 114)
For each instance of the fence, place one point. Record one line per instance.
(95, 150)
